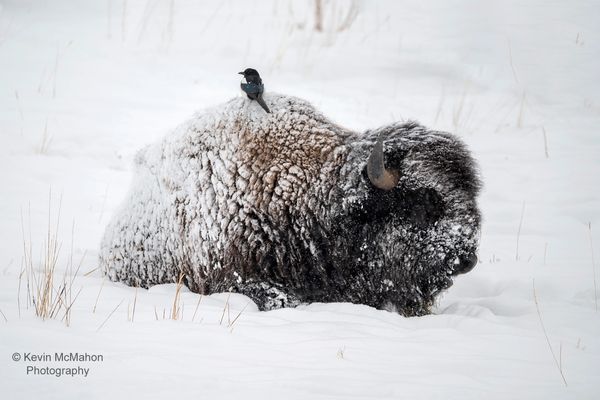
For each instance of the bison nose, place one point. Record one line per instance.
(465, 264)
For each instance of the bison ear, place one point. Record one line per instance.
(380, 177)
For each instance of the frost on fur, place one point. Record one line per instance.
(279, 207)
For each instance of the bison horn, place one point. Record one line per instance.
(380, 177)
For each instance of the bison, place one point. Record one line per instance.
(289, 208)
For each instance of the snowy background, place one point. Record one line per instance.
(84, 84)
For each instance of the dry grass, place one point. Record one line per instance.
(350, 17)
(176, 309)
(46, 140)
(98, 297)
(19, 292)
(346, 18)
(556, 360)
(225, 308)
(230, 326)
(460, 113)
(110, 315)
(134, 304)
(51, 297)
(91, 271)
(196, 309)
(130, 309)
(319, 15)
(545, 142)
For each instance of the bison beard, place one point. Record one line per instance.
(281, 208)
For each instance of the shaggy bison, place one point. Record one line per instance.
(289, 207)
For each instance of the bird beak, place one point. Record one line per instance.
(241, 73)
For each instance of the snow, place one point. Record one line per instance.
(84, 85)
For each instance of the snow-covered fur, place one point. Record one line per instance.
(279, 207)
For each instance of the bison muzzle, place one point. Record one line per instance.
(289, 208)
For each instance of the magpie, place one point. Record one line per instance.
(253, 87)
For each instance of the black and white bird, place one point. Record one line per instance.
(253, 87)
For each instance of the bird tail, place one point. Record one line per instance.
(263, 104)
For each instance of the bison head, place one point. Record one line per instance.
(408, 220)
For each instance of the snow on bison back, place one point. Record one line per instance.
(289, 207)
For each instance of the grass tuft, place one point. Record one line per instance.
(176, 310)
(50, 297)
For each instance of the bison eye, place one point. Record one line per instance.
(420, 206)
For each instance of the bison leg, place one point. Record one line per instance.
(268, 296)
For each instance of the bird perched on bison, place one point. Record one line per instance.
(290, 208)
(253, 86)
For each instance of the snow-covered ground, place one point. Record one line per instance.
(84, 84)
